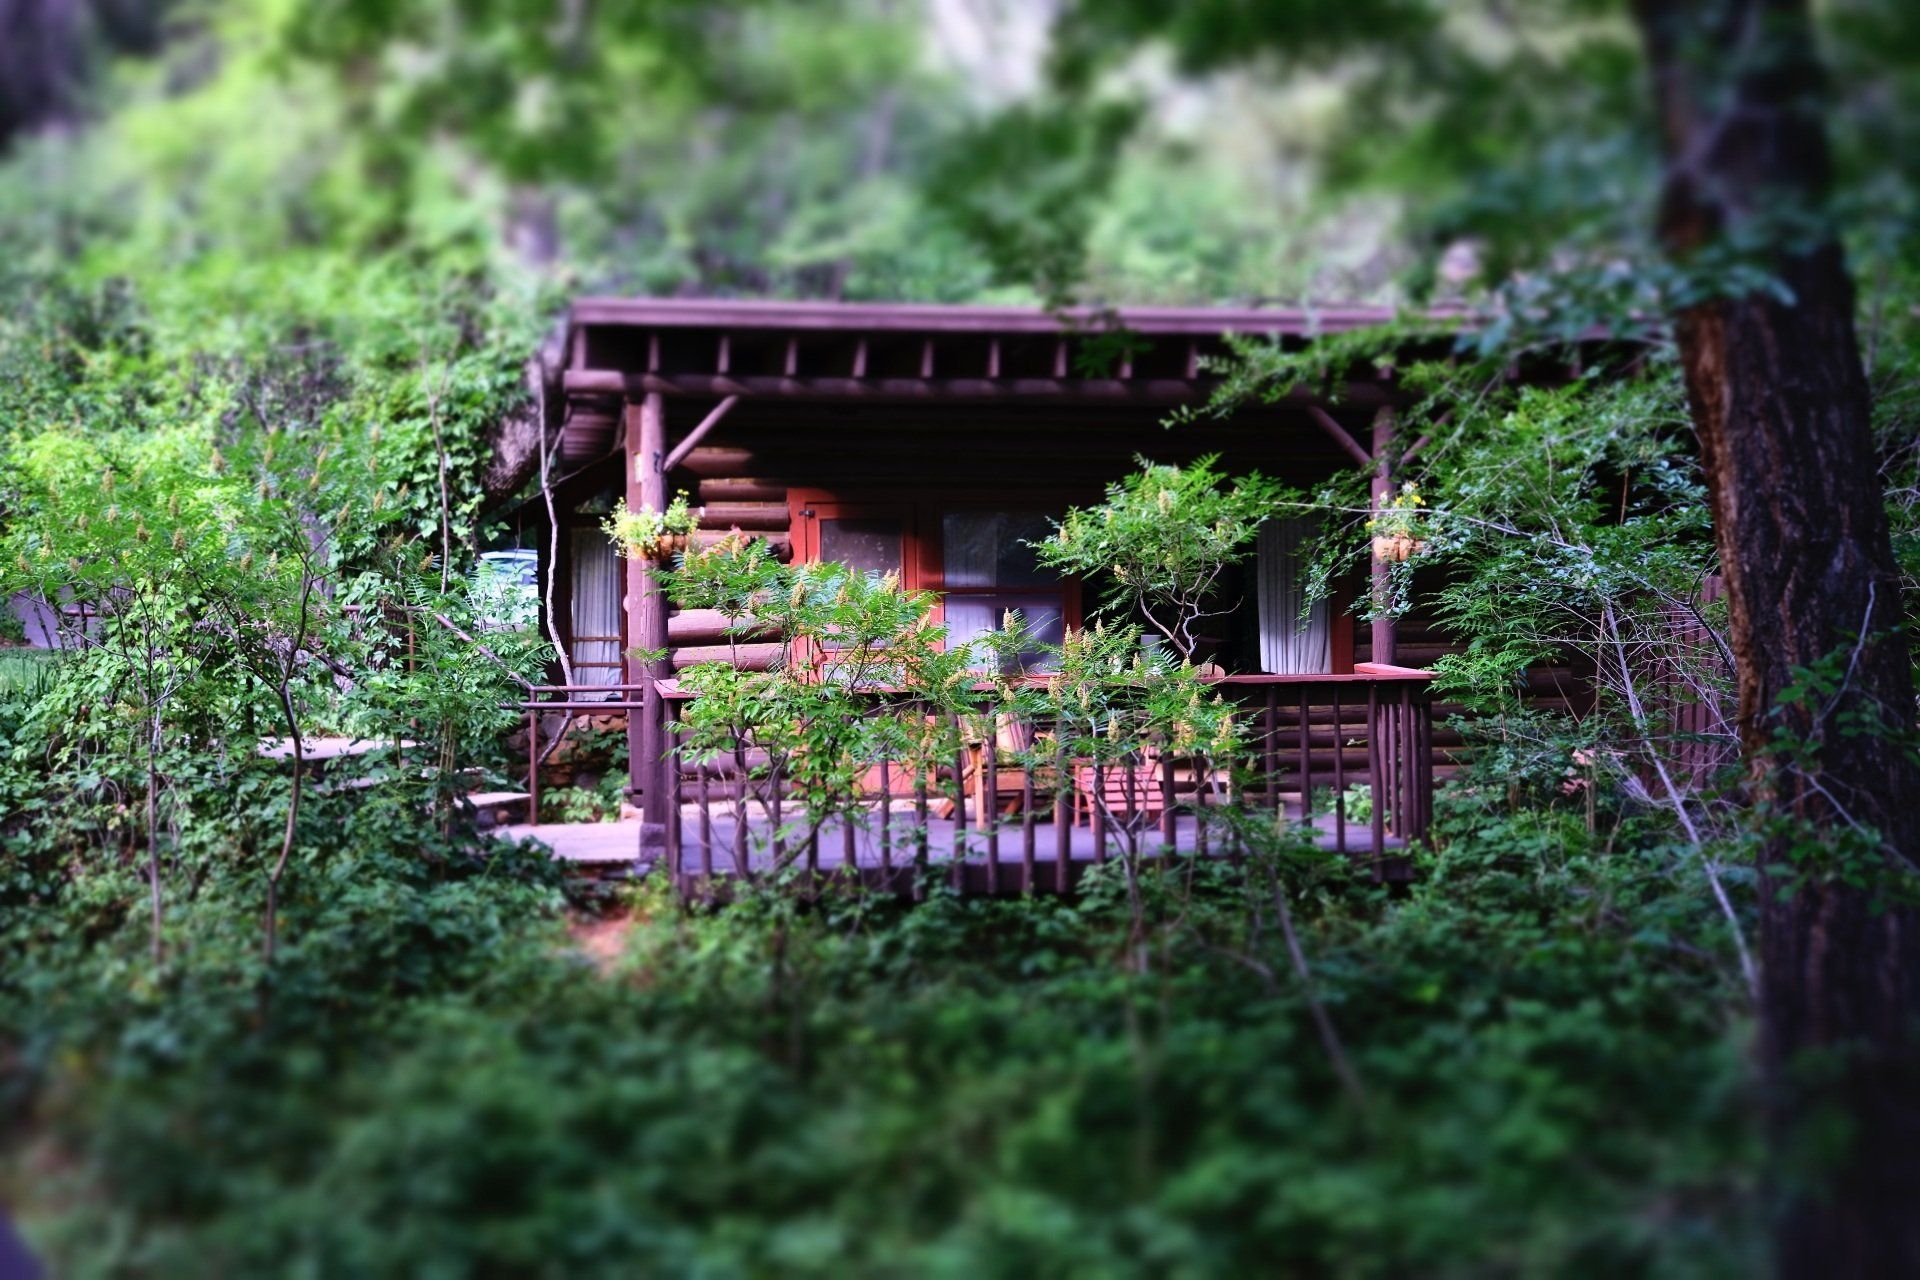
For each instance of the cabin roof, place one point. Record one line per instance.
(922, 317)
(926, 360)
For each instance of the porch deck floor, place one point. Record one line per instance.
(588, 845)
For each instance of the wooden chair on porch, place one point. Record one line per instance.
(1125, 791)
(1010, 740)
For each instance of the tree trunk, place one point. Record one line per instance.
(1781, 405)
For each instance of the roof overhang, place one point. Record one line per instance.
(621, 350)
(1303, 322)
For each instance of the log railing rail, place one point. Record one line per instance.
(574, 700)
(1316, 737)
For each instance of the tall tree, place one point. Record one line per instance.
(1532, 124)
(1780, 400)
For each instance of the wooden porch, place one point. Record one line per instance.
(1347, 760)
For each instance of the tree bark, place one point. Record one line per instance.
(1781, 404)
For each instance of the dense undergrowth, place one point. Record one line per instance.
(291, 261)
(436, 1082)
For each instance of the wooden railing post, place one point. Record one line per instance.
(669, 780)
(1376, 772)
(533, 764)
(1062, 815)
(1396, 717)
(647, 745)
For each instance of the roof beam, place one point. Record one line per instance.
(1325, 421)
(613, 382)
(699, 433)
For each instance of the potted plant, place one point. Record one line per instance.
(1397, 525)
(647, 534)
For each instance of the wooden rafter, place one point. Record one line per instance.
(616, 382)
(699, 433)
(1325, 421)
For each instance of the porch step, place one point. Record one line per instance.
(496, 807)
(493, 799)
(587, 846)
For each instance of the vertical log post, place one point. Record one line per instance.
(1383, 626)
(647, 747)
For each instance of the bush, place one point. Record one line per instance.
(970, 1086)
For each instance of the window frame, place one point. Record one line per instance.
(922, 513)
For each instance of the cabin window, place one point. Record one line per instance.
(597, 575)
(975, 557)
(987, 570)
(1289, 645)
(875, 544)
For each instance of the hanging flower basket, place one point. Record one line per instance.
(646, 534)
(1394, 524)
(666, 547)
(1398, 547)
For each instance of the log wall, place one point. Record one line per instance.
(744, 474)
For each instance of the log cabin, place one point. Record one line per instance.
(933, 441)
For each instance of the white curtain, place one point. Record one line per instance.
(1287, 646)
(596, 608)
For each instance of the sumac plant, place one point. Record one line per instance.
(1161, 540)
(865, 676)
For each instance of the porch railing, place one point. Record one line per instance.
(1349, 758)
(569, 702)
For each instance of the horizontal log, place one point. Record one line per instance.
(706, 626)
(843, 463)
(931, 318)
(747, 657)
(1173, 390)
(744, 515)
(1011, 423)
(781, 543)
(719, 489)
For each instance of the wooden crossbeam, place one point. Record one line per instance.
(1425, 440)
(1340, 436)
(614, 382)
(699, 433)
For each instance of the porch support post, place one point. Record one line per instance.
(1384, 628)
(647, 621)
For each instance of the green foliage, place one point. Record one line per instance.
(1044, 170)
(1161, 539)
(869, 679)
(962, 1086)
(639, 534)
